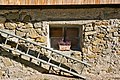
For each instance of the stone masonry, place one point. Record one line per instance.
(101, 38)
(102, 49)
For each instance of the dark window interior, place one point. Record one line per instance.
(65, 33)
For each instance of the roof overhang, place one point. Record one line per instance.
(57, 2)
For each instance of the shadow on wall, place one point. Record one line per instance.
(29, 63)
(58, 13)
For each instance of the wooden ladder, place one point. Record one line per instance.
(43, 54)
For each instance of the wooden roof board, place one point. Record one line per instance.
(57, 2)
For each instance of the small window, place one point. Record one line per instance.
(66, 33)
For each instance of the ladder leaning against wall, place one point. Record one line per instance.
(41, 55)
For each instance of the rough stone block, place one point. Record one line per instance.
(92, 56)
(1, 26)
(32, 33)
(19, 33)
(15, 53)
(28, 25)
(115, 34)
(13, 16)
(7, 62)
(37, 25)
(10, 26)
(90, 33)
(112, 30)
(101, 35)
(2, 19)
(27, 18)
(41, 39)
(96, 49)
(20, 24)
(1, 73)
(98, 42)
(39, 31)
(25, 57)
(89, 27)
(118, 52)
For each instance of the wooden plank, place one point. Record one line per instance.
(57, 2)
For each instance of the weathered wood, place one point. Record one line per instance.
(48, 59)
(57, 2)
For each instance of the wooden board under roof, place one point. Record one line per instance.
(57, 2)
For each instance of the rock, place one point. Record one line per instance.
(101, 35)
(39, 31)
(76, 54)
(84, 50)
(20, 25)
(28, 25)
(90, 28)
(27, 18)
(1, 73)
(15, 53)
(104, 23)
(41, 39)
(23, 30)
(109, 35)
(24, 25)
(95, 49)
(110, 69)
(2, 19)
(25, 57)
(98, 41)
(44, 33)
(90, 50)
(7, 62)
(90, 33)
(92, 56)
(113, 21)
(107, 51)
(98, 23)
(32, 33)
(119, 31)
(44, 28)
(1, 26)
(118, 52)
(13, 16)
(115, 34)
(37, 25)
(10, 26)
(111, 30)
(22, 14)
(21, 34)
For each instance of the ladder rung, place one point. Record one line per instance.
(44, 61)
(27, 50)
(61, 61)
(44, 49)
(7, 39)
(17, 44)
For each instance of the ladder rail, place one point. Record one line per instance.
(75, 74)
(85, 63)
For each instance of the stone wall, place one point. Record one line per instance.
(102, 48)
(32, 31)
(101, 38)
